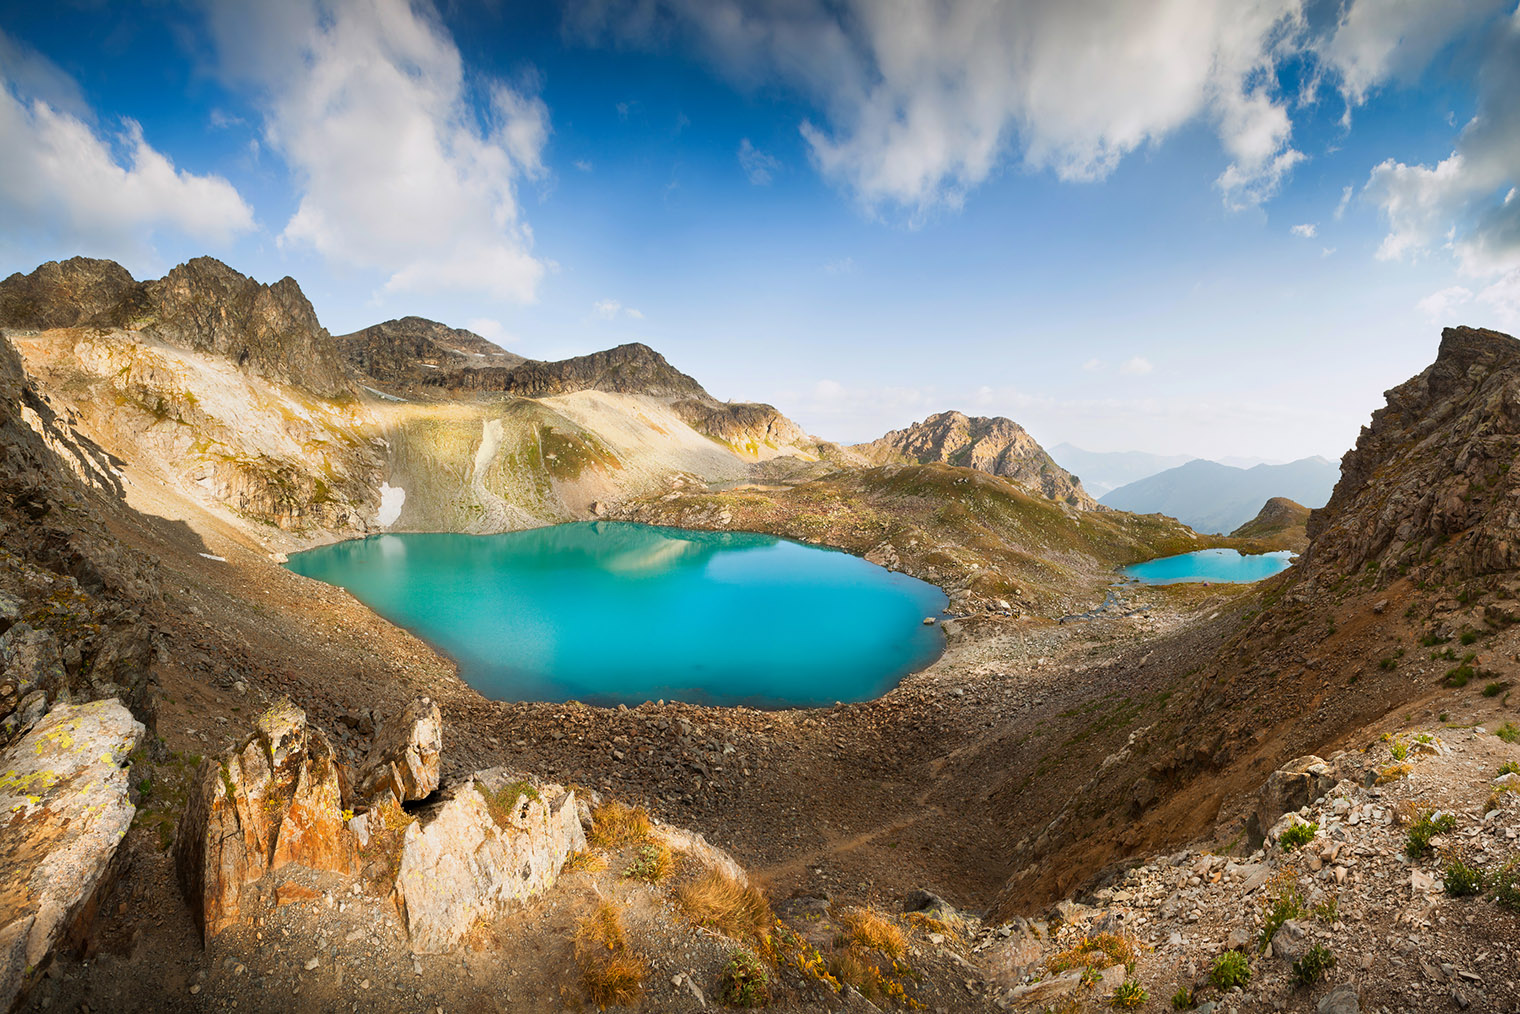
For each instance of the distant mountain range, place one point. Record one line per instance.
(1101, 471)
(1211, 497)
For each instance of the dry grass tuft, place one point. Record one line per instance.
(1394, 772)
(584, 861)
(874, 931)
(611, 973)
(722, 903)
(1099, 951)
(614, 825)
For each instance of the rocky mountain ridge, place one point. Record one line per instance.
(995, 445)
(1280, 521)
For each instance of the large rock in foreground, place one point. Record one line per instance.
(276, 799)
(499, 839)
(403, 760)
(64, 809)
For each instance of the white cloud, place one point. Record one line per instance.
(1307, 230)
(397, 169)
(1376, 40)
(112, 190)
(1093, 365)
(918, 102)
(759, 166)
(611, 309)
(1455, 204)
(490, 329)
(1340, 207)
(582, 164)
(1439, 305)
(1136, 367)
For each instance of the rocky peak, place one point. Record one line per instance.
(405, 353)
(995, 445)
(1432, 472)
(628, 369)
(1280, 520)
(270, 330)
(73, 293)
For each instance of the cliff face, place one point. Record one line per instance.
(995, 445)
(203, 305)
(405, 354)
(1429, 488)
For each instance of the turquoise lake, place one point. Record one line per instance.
(619, 613)
(1223, 565)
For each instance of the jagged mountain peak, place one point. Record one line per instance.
(993, 444)
(1429, 486)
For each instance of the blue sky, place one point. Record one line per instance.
(1181, 226)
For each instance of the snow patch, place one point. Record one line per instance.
(218, 559)
(391, 499)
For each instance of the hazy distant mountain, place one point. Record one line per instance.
(1101, 471)
(1211, 497)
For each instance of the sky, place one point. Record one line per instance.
(1181, 226)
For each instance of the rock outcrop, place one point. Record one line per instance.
(64, 808)
(403, 758)
(204, 305)
(753, 431)
(78, 292)
(627, 369)
(1429, 488)
(996, 445)
(405, 354)
(276, 799)
(499, 838)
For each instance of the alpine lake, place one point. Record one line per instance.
(618, 613)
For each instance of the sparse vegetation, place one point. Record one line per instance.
(1183, 999)
(1509, 768)
(743, 982)
(1231, 969)
(1495, 689)
(721, 903)
(1462, 880)
(652, 864)
(1100, 950)
(1298, 836)
(1460, 676)
(502, 803)
(1313, 966)
(614, 825)
(611, 973)
(1399, 750)
(1129, 993)
(1426, 827)
(871, 929)
(1504, 884)
(584, 861)
(1328, 911)
(1284, 901)
(1509, 732)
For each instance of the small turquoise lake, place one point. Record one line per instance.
(619, 613)
(1221, 565)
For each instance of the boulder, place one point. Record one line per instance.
(64, 808)
(403, 760)
(276, 799)
(31, 675)
(1343, 999)
(1298, 783)
(497, 839)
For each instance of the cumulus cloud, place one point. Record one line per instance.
(1136, 367)
(1378, 40)
(918, 102)
(1307, 231)
(402, 165)
(759, 166)
(1466, 203)
(111, 189)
